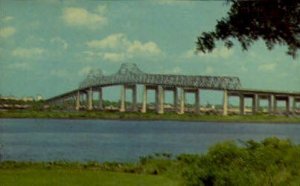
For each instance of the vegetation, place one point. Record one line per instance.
(274, 21)
(270, 162)
(146, 116)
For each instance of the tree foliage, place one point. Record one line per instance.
(273, 21)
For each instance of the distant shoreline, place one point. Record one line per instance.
(260, 118)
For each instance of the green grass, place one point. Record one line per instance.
(73, 177)
(147, 116)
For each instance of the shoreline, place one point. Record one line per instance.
(151, 116)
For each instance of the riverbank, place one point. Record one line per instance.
(269, 162)
(259, 118)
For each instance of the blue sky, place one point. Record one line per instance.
(48, 47)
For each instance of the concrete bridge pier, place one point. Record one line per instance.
(175, 99)
(134, 98)
(144, 103)
(270, 106)
(182, 100)
(255, 103)
(197, 101)
(100, 101)
(77, 106)
(225, 103)
(242, 104)
(122, 98)
(90, 99)
(160, 101)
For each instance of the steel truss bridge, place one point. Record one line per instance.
(129, 76)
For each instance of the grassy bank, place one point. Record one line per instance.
(73, 177)
(270, 162)
(147, 116)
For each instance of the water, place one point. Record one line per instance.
(106, 140)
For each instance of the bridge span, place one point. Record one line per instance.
(129, 76)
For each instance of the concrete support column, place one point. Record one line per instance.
(274, 104)
(287, 104)
(77, 107)
(242, 104)
(160, 99)
(225, 103)
(144, 104)
(90, 99)
(100, 99)
(197, 102)
(156, 100)
(134, 98)
(254, 104)
(122, 98)
(270, 106)
(182, 99)
(175, 99)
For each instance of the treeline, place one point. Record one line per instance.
(272, 161)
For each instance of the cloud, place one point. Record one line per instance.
(7, 18)
(7, 32)
(146, 48)
(27, 53)
(60, 41)
(111, 41)
(114, 57)
(222, 52)
(267, 67)
(117, 47)
(81, 17)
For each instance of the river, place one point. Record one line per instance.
(113, 140)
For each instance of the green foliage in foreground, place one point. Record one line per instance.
(147, 116)
(270, 162)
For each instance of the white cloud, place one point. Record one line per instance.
(81, 17)
(7, 32)
(111, 41)
(114, 57)
(222, 52)
(267, 67)
(118, 47)
(7, 18)
(146, 48)
(30, 52)
(60, 41)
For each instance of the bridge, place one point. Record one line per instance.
(129, 76)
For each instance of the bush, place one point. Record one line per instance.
(271, 162)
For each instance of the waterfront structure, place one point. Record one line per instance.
(129, 76)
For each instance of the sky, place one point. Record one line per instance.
(48, 47)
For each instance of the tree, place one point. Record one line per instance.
(273, 21)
